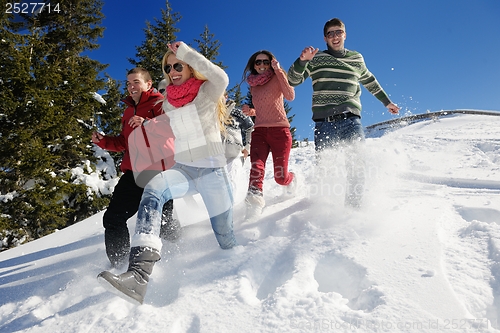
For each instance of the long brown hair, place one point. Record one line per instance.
(250, 68)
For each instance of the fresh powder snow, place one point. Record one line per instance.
(421, 255)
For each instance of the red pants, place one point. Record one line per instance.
(277, 140)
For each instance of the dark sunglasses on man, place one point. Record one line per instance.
(332, 33)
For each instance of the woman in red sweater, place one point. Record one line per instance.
(268, 86)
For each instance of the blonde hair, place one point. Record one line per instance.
(222, 114)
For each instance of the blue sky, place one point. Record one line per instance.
(428, 55)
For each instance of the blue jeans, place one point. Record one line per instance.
(347, 134)
(214, 187)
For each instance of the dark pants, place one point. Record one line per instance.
(348, 135)
(123, 205)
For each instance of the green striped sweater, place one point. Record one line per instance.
(336, 82)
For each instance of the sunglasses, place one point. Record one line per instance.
(332, 33)
(177, 66)
(260, 62)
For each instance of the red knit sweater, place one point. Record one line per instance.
(268, 101)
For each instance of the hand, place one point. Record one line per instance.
(247, 111)
(96, 137)
(174, 46)
(275, 64)
(135, 121)
(308, 53)
(245, 153)
(393, 108)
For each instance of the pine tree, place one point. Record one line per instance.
(149, 55)
(209, 47)
(47, 87)
(288, 108)
(107, 118)
(235, 94)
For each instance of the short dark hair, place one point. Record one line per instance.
(139, 70)
(334, 22)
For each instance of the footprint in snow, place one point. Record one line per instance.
(335, 273)
(487, 215)
(428, 273)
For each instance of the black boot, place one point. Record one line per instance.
(132, 284)
(170, 227)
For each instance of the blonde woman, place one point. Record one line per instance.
(196, 111)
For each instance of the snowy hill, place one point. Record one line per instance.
(421, 256)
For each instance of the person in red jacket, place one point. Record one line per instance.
(143, 103)
(268, 87)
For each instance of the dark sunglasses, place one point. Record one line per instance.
(259, 62)
(332, 33)
(177, 66)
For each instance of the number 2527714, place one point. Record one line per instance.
(31, 7)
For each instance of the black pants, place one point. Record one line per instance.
(123, 205)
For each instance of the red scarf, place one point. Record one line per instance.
(181, 95)
(260, 79)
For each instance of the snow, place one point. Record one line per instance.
(98, 98)
(422, 255)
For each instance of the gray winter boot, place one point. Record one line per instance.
(132, 284)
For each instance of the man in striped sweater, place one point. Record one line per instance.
(336, 74)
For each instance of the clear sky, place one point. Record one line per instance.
(429, 55)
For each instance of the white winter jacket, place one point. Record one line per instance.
(195, 125)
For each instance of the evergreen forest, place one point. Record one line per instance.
(53, 97)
